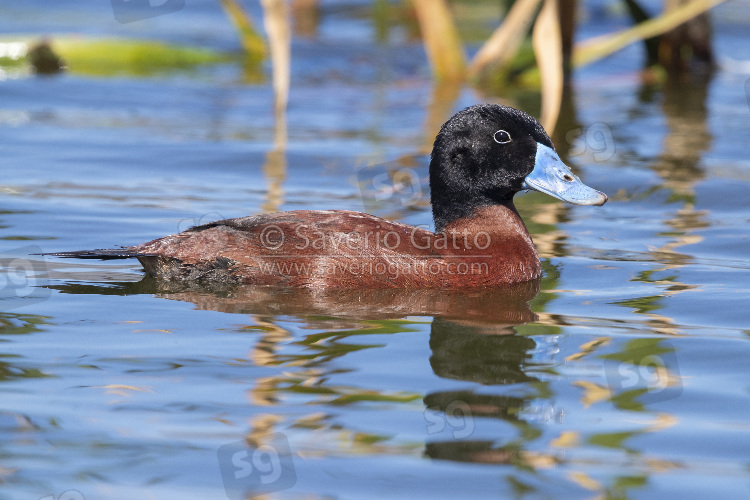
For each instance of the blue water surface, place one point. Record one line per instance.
(624, 375)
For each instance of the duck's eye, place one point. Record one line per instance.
(501, 137)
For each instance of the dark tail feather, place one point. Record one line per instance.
(103, 254)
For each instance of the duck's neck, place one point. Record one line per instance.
(501, 220)
(499, 231)
(497, 235)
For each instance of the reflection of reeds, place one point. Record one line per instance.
(506, 40)
(600, 47)
(548, 49)
(251, 42)
(441, 39)
(552, 36)
(276, 21)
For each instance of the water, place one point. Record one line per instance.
(622, 374)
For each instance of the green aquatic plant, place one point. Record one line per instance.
(108, 56)
(103, 56)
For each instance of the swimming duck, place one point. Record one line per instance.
(481, 158)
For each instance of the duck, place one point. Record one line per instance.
(481, 158)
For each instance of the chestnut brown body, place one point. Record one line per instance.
(348, 249)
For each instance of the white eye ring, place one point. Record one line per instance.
(502, 137)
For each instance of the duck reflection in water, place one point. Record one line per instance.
(472, 339)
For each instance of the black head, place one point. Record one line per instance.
(483, 156)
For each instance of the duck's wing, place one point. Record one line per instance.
(299, 248)
(298, 233)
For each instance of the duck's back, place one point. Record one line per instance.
(297, 248)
